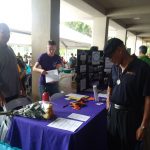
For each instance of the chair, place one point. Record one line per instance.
(17, 103)
(56, 95)
(6, 122)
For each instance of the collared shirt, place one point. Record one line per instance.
(134, 85)
(114, 75)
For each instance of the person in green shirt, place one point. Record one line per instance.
(144, 57)
(142, 54)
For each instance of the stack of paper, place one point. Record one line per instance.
(52, 76)
(76, 96)
(69, 124)
(79, 117)
(65, 124)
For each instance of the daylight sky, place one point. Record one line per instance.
(16, 13)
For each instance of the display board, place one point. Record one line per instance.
(90, 69)
(108, 65)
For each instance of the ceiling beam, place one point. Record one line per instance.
(19, 31)
(146, 38)
(128, 12)
(96, 5)
(144, 34)
(87, 7)
(143, 27)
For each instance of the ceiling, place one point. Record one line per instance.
(69, 44)
(134, 15)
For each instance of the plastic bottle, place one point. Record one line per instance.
(45, 96)
(95, 93)
(45, 100)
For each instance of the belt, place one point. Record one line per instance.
(120, 107)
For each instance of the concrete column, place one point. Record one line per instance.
(55, 21)
(45, 26)
(126, 37)
(130, 43)
(138, 44)
(119, 31)
(100, 31)
(144, 42)
(121, 34)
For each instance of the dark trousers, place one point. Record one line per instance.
(51, 88)
(121, 128)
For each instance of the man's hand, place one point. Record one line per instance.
(43, 72)
(140, 133)
(146, 119)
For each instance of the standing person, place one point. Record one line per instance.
(63, 62)
(129, 112)
(48, 61)
(9, 76)
(72, 61)
(19, 57)
(22, 74)
(30, 60)
(142, 54)
(26, 58)
(113, 77)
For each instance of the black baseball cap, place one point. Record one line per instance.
(111, 46)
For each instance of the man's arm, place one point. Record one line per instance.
(37, 69)
(109, 93)
(145, 120)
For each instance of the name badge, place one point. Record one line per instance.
(118, 81)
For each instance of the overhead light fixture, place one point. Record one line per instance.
(137, 18)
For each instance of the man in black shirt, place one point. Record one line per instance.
(9, 76)
(129, 111)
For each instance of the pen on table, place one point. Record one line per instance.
(65, 105)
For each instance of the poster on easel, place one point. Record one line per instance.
(95, 58)
(83, 84)
(90, 69)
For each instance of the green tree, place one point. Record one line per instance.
(80, 27)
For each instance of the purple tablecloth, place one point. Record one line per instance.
(33, 134)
